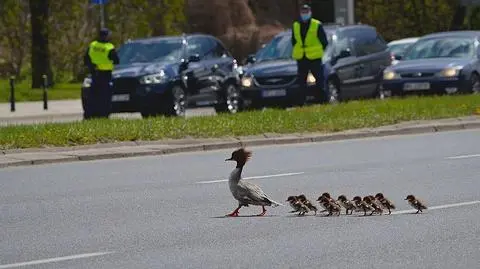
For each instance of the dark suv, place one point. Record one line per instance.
(353, 66)
(165, 75)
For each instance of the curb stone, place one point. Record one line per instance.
(155, 148)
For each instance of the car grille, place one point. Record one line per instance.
(275, 81)
(125, 85)
(417, 75)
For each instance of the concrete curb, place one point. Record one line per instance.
(25, 157)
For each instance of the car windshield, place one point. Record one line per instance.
(442, 47)
(154, 51)
(280, 48)
(398, 49)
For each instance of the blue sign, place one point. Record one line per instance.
(99, 2)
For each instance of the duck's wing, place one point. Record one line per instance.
(253, 194)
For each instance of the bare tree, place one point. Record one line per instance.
(40, 53)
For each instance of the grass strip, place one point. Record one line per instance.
(24, 92)
(319, 118)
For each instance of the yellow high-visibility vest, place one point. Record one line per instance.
(313, 48)
(98, 53)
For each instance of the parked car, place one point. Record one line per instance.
(354, 62)
(166, 75)
(446, 62)
(398, 47)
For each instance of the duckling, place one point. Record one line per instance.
(387, 204)
(297, 205)
(416, 203)
(361, 205)
(376, 205)
(330, 206)
(307, 202)
(347, 204)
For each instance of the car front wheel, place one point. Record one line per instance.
(230, 101)
(334, 92)
(176, 103)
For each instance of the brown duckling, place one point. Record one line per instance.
(374, 203)
(297, 205)
(387, 204)
(361, 205)
(308, 203)
(416, 203)
(347, 204)
(330, 206)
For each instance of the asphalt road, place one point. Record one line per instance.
(167, 211)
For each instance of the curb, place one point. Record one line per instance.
(68, 154)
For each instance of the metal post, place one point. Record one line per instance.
(45, 97)
(351, 11)
(12, 94)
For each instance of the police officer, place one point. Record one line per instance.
(100, 59)
(309, 42)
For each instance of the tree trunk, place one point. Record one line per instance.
(458, 18)
(40, 54)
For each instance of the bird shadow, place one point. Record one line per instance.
(245, 216)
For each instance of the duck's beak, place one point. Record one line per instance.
(229, 159)
(405, 199)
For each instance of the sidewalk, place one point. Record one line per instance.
(24, 157)
(35, 109)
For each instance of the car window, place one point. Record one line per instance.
(342, 43)
(399, 49)
(279, 47)
(442, 47)
(219, 50)
(202, 46)
(369, 42)
(151, 51)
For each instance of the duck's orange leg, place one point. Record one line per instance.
(235, 212)
(263, 211)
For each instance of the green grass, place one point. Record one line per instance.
(24, 92)
(329, 118)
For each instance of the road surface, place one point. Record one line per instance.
(167, 211)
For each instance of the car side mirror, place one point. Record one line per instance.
(398, 57)
(251, 59)
(344, 54)
(194, 58)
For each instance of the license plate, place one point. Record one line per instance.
(274, 93)
(121, 98)
(416, 86)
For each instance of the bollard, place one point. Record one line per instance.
(45, 97)
(12, 94)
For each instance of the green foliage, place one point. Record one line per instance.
(23, 91)
(320, 118)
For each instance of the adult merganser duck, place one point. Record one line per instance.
(246, 193)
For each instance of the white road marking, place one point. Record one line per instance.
(464, 156)
(254, 177)
(58, 259)
(436, 207)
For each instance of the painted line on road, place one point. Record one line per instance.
(464, 156)
(436, 207)
(254, 177)
(58, 259)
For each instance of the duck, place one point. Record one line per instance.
(246, 193)
(303, 199)
(330, 206)
(416, 203)
(361, 205)
(374, 204)
(347, 204)
(387, 204)
(297, 205)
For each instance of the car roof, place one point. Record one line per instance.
(403, 41)
(461, 33)
(167, 38)
(332, 27)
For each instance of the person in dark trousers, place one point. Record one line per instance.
(100, 59)
(309, 42)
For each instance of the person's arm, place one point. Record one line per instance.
(112, 55)
(322, 36)
(88, 62)
(293, 39)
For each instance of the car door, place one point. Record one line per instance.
(373, 57)
(196, 72)
(344, 66)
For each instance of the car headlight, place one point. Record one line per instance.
(389, 75)
(450, 72)
(87, 82)
(311, 79)
(247, 82)
(157, 78)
